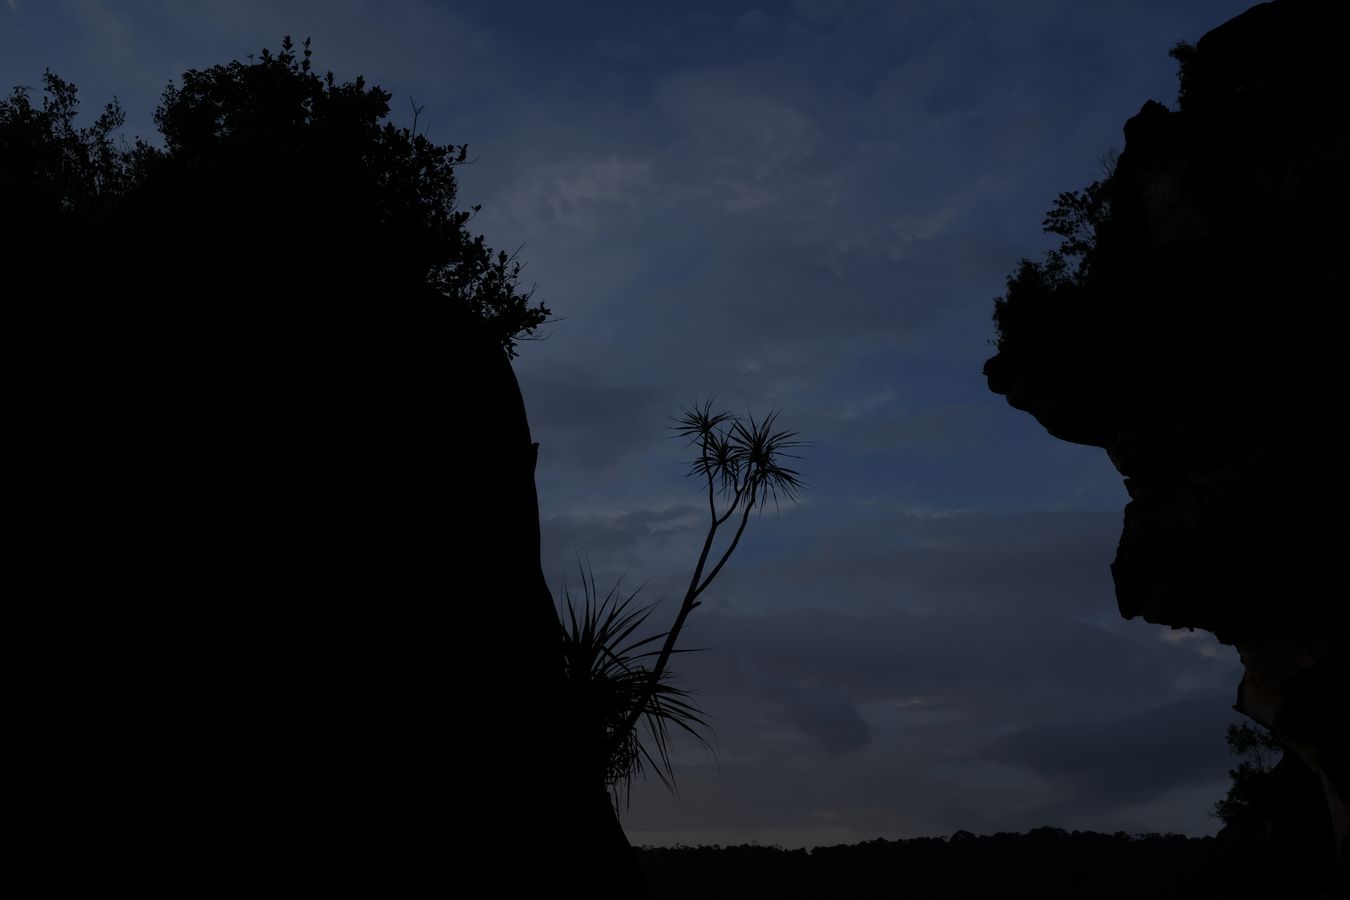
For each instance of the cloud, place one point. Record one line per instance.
(654, 545)
(110, 36)
(1029, 565)
(575, 194)
(1009, 618)
(989, 620)
(825, 716)
(742, 144)
(881, 423)
(922, 779)
(929, 769)
(1127, 759)
(585, 422)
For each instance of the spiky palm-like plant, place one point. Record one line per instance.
(741, 462)
(607, 681)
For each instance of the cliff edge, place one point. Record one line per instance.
(1197, 335)
(277, 621)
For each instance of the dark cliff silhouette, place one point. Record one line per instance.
(1192, 325)
(279, 624)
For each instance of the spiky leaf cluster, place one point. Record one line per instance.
(741, 459)
(607, 682)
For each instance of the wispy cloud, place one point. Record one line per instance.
(575, 194)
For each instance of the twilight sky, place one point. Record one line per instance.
(806, 206)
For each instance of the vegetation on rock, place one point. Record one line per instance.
(274, 126)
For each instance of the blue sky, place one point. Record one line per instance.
(806, 206)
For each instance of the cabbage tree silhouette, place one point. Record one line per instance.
(741, 463)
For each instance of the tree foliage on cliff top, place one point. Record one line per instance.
(273, 133)
(1077, 217)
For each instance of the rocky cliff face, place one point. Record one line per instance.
(277, 621)
(283, 627)
(1203, 347)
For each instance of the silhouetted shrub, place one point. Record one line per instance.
(268, 146)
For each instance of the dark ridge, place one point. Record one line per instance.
(1045, 864)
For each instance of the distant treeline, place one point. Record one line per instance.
(1046, 863)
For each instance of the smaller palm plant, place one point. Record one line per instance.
(608, 683)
